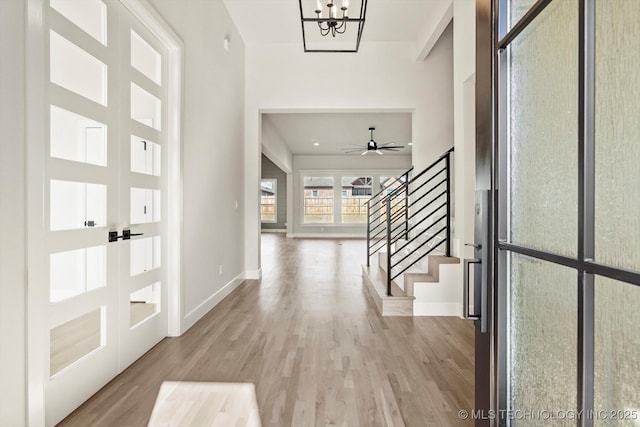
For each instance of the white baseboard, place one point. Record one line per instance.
(196, 314)
(327, 236)
(437, 309)
(273, 230)
(253, 274)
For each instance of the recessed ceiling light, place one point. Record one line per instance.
(411, 143)
(316, 143)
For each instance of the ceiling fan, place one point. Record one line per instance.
(372, 146)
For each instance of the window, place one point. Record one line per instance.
(268, 212)
(355, 193)
(392, 185)
(318, 200)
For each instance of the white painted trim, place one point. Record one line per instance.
(437, 309)
(273, 230)
(35, 135)
(196, 314)
(253, 274)
(326, 236)
(155, 23)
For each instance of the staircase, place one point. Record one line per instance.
(409, 239)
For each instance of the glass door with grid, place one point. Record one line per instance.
(105, 303)
(568, 235)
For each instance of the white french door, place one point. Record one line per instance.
(103, 192)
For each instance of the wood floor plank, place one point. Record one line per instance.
(310, 338)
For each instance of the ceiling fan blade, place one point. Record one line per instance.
(364, 152)
(391, 147)
(379, 152)
(386, 143)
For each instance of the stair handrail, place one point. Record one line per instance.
(398, 215)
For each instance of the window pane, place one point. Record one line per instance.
(75, 272)
(391, 185)
(543, 332)
(145, 254)
(517, 9)
(617, 350)
(544, 131)
(145, 156)
(75, 137)
(76, 70)
(318, 200)
(145, 205)
(144, 303)
(356, 191)
(268, 196)
(90, 15)
(144, 58)
(617, 222)
(75, 339)
(145, 108)
(77, 205)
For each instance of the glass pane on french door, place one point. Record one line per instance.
(543, 333)
(543, 131)
(617, 133)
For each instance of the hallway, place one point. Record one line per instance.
(309, 337)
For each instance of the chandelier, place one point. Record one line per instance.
(331, 19)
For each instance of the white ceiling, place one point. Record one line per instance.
(334, 131)
(278, 21)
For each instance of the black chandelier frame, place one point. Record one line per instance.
(333, 26)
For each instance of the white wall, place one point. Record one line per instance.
(12, 216)
(380, 77)
(337, 166)
(439, 129)
(212, 152)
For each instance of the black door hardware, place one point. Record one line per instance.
(126, 235)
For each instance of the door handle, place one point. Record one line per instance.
(127, 234)
(465, 290)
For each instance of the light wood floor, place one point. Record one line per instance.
(310, 338)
